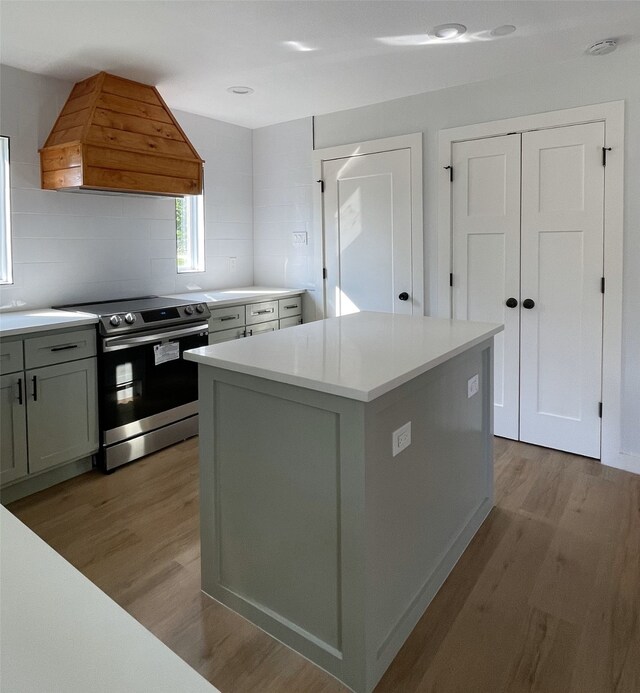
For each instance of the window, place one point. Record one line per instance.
(190, 233)
(6, 274)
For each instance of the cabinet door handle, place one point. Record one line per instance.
(64, 348)
(250, 333)
(19, 390)
(295, 305)
(512, 302)
(528, 303)
(262, 312)
(229, 317)
(34, 391)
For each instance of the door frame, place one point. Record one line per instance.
(612, 114)
(413, 142)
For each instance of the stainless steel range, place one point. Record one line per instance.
(147, 392)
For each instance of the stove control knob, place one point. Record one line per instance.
(200, 307)
(115, 320)
(129, 318)
(188, 310)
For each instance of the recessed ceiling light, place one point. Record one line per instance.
(603, 47)
(503, 30)
(240, 90)
(446, 32)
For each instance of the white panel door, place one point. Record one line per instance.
(562, 265)
(367, 226)
(486, 257)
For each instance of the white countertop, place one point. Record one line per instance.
(226, 297)
(61, 634)
(29, 321)
(359, 356)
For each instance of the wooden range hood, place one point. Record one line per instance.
(117, 135)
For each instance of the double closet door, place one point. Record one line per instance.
(528, 234)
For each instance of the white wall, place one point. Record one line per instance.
(81, 247)
(283, 204)
(584, 81)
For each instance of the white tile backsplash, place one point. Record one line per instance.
(283, 204)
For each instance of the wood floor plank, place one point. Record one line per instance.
(546, 598)
(544, 662)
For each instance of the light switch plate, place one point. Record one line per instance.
(401, 438)
(299, 238)
(473, 385)
(231, 264)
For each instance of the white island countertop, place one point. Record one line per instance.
(245, 294)
(60, 633)
(360, 356)
(29, 321)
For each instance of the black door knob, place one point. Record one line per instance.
(512, 302)
(528, 303)
(404, 296)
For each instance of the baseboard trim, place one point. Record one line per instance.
(629, 463)
(25, 487)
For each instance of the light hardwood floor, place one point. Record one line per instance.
(546, 598)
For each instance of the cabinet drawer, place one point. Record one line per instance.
(226, 318)
(270, 326)
(290, 322)
(11, 359)
(226, 335)
(262, 312)
(290, 306)
(59, 348)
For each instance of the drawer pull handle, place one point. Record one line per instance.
(19, 390)
(34, 392)
(64, 348)
(295, 305)
(262, 312)
(229, 317)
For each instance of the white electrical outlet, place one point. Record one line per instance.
(231, 264)
(473, 385)
(401, 438)
(299, 238)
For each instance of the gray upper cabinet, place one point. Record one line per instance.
(13, 430)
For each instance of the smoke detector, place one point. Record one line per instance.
(603, 47)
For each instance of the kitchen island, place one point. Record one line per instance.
(345, 465)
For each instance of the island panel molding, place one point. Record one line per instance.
(313, 530)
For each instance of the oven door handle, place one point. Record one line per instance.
(115, 343)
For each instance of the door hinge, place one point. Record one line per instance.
(321, 185)
(450, 172)
(451, 279)
(604, 155)
(324, 272)
(600, 409)
(602, 285)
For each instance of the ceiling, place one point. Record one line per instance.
(357, 52)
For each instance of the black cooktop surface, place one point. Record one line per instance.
(125, 305)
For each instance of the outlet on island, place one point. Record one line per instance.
(401, 438)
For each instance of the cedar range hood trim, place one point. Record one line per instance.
(117, 136)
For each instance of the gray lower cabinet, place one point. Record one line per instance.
(248, 319)
(49, 405)
(61, 413)
(13, 428)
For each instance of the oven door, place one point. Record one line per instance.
(145, 383)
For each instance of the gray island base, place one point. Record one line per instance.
(311, 528)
